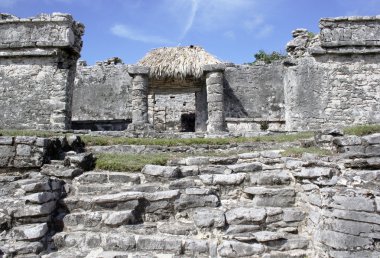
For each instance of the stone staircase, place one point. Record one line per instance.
(236, 206)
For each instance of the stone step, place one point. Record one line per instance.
(124, 242)
(26, 232)
(101, 253)
(111, 188)
(118, 201)
(103, 177)
(266, 196)
(61, 171)
(21, 248)
(100, 219)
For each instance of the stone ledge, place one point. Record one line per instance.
(136, 70)
(214, 68)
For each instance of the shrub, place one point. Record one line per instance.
(268, 58)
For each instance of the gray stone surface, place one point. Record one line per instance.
(40, 54)
(102, 92)
(238, 249)
(238, 216)
(208, 217)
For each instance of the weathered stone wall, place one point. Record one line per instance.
(337, 81)
(22, 152)
(255, 91)
(332, 91)
(102, 92)
(37, 69)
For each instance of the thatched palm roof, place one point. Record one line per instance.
(177, 62)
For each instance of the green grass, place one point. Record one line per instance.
(130, 162)
(361, 130)
(298, 151)
(38, 133)
(107, 140)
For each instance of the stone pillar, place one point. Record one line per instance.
(140, 85)
(215, 98)
(201, 110)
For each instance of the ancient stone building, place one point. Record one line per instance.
(329, 80)
(38, 58)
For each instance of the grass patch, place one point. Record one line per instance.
(130, 162)
(361, 130)
(107, 140)
(38, 133)
(298, 151)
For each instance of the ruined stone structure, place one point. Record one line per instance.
(255, 204)
(335, 79)
(329, 80)
(38, 58)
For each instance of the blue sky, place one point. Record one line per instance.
(232, 30)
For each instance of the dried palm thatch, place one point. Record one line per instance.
(177, 62)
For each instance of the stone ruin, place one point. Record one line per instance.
(252, 204)
(329, 80)
(38, 58)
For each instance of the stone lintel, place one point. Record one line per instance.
(214, 68)
(135, 70)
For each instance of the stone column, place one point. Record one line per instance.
(139, 76)
(215, 98)
(201, 110)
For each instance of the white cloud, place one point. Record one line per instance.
(229, 34)
(265, 31)
(190, 20)
(253, 23)
(130, 33)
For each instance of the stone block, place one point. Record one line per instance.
(29, 140)
(116, 242)
(195, 246)
(272, 197)
(357, 203)
(208, 217)
(6, 153)
(161, 171)
(177, 228)
(186, 201)
(33, 210)
(134, 70)
(29, 232)
(353, 227)
(347, 141)
(192, 170)
(214, 67)
(342, 241)
(372, 139)
(246, 167)
(275, 177)
(238, 249)
(159, 243)
(315, 172)
(6, 140)
(245, 216)
(162, 195)
(290, 215)
(231, 179)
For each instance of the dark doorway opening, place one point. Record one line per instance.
(188, 122)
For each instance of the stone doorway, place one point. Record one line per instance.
(188, 122)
